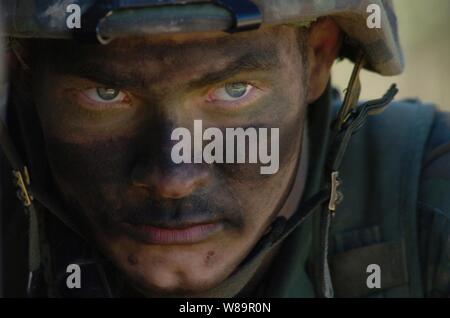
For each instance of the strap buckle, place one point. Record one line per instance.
(22, 181)
(245, 14)
(336, 196)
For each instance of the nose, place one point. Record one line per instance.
(172, 181)
(154, 168)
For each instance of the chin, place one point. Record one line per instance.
(169, 284)
(166, 270)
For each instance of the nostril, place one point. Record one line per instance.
(178, 183)
(171, 192)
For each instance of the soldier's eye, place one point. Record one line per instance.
(231, 92)
(105, 95)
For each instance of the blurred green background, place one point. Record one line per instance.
(425, 36)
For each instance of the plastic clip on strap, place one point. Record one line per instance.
(27, 195)
(350, 120)
(21, 180)
(245, 14)
(350, 101)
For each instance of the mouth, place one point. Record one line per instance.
(182, 234)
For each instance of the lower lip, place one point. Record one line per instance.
(164, 236)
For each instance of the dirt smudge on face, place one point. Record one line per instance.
(209, 256)
(133, 260)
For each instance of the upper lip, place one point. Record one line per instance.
(173, 233)
(173, 225)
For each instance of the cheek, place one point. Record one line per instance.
(86, 173)
(259, 194)
(285, 113)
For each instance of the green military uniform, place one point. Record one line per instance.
(395, 212)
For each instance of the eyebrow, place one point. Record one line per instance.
(103, 74)
(247, 63)
(262, 60)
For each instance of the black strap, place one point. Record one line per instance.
(355, 121)
(245, 14)
(281, 228)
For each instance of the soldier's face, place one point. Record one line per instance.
(107, 114)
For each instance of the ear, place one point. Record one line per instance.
(324, 43)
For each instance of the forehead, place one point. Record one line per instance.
(193, 43)
(191, 53)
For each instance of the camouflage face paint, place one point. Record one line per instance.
(112, 161)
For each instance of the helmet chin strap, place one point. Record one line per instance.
(349, 120)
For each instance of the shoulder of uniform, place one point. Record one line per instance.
(434, 248)
(437, 152)
(435, 177)
(434, 209)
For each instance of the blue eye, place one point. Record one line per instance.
(236, 90)
(105, 95)
(231, 92)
